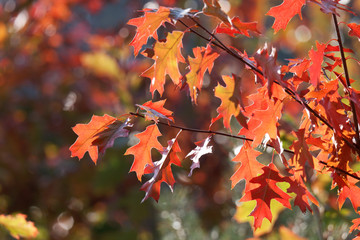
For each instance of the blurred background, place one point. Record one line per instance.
(63, 61)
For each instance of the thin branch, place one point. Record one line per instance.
(291, 93)
(237, 137)
(352, 104)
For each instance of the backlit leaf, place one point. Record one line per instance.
(202, 148)
(285, 12)
(142, 150)
(18, 226)
(162, 170)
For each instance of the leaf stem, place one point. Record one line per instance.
(346, 71)
(237, 137)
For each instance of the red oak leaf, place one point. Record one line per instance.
(264, 115)
(213, 8)
(147, 26)
(316, 58)
(202, 148)
(285, 12)
(350, 191)
(238, 27)
(106, 138)
(156, 110)
(299, 66)
(98, 134)
(249, 167)
(302, 195)
(167, 55)
(162, 170)
(355, 226)
(265, 192)
(301, 150)
(203, 60)
(270, 68)
(142, 150)
(354, 29)
(230, 97)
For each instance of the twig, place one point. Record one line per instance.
(237, 137)
(352, 104)
(291, 93)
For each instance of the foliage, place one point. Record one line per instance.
(63, 61)
(326, 140)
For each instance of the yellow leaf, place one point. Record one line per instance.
(167, 55)
(18, 226)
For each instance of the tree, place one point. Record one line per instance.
(303, 114)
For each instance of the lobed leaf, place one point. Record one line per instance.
(202, 148)
(98, 134)
(18, 226)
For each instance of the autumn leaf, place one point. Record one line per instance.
(301, 150)
(238, 27)
(266, 191)
(18, 226)
(99, 133)
(162, 170)
(285, 12)
(142, 150)
(167, 55)
(156, 110)
(203, 60)
(249, 167)
(316, 58)
(354, 29)
(302, 194)
(147, 26)
(271, 70)
(230, 97)
(105, 139)
(213, 8)
(202, 148)
(264, 115)
(355, 226)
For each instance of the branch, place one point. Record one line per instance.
(290, 92)
(237, 137)
(352, 104)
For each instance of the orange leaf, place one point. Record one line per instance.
(238, 27)
(203, 60)
(265, 192)
(213, 8)
(162, 170)
(147, 26)
(316, 58)
(354, 29)
(230, 100)
(142, 150)
(166, 55)
(18, 226)
(285, 12)
(265, 114)
(249, 167)
(100, 132)
(156, 110)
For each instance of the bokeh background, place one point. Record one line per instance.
(63, 61)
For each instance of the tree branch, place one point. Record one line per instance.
(352, 104)
(290, 92)
(237, 137)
